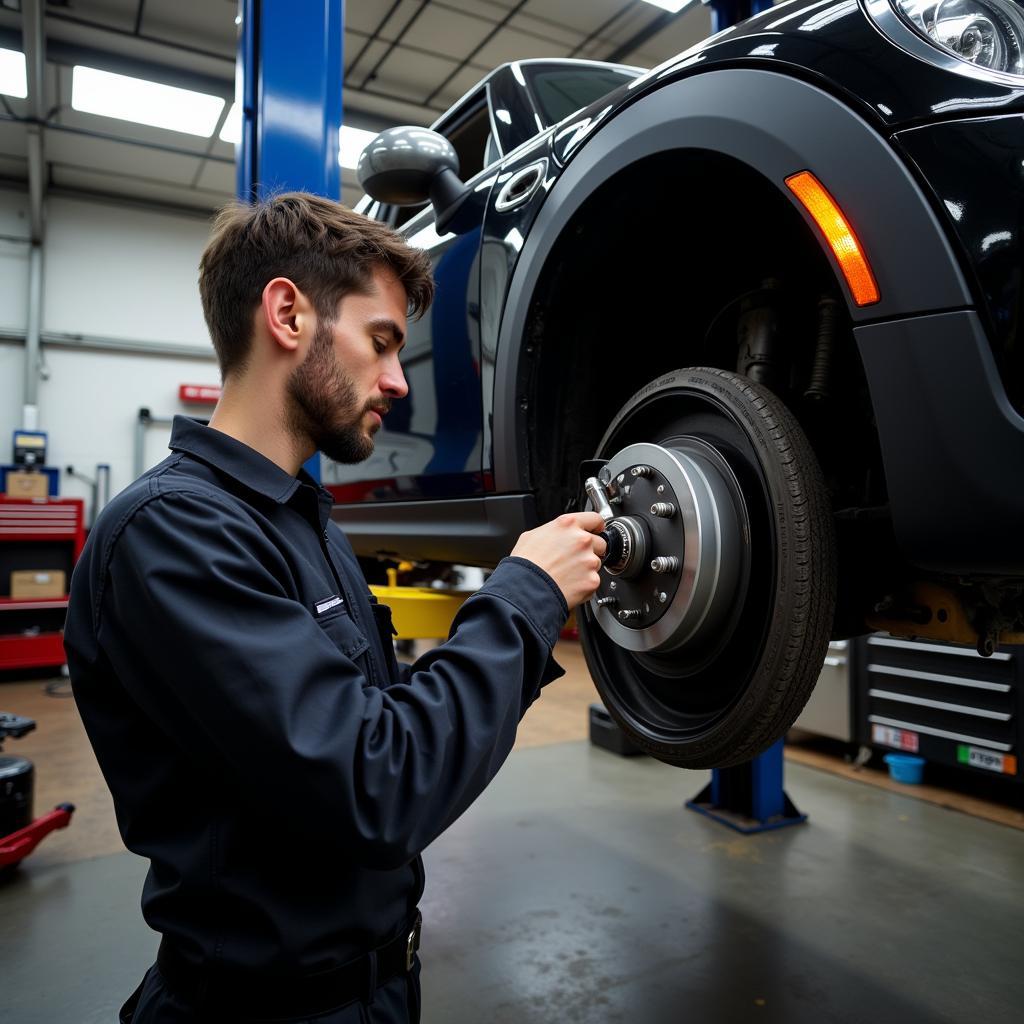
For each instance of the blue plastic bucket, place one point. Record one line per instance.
(905, 768)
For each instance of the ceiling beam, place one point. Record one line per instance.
(378, 107)
(620, 53)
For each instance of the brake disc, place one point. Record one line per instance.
(679, 528)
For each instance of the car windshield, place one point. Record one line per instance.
(560, 92)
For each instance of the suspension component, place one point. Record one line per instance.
(821, 371)
(757, 330)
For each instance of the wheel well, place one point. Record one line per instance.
(651, 275)
(646, 278)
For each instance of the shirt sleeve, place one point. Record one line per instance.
(200, 622)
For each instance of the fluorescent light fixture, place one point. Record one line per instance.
(351, 142)
(672, 6)
(135, 99)
(13, 80)
(232, 130)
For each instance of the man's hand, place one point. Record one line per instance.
(569, 550)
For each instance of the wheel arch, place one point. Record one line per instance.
(773, 126)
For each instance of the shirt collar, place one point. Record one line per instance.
(242, 463)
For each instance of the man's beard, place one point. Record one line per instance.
(324, 406)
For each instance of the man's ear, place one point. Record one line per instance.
(287, 314)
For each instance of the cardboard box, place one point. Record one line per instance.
(29, 583)
(27, 485)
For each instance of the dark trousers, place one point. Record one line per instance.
(397, 1002)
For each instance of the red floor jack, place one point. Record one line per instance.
(19, 835)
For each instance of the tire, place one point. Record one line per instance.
(736, 687)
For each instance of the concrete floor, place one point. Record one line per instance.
(577, 890)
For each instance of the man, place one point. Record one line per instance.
(238, 682)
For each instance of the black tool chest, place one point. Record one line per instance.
(941, 701)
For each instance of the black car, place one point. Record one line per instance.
(762, 307)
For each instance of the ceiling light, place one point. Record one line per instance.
(351, 142)
(232, 130)
(672, 6)
(13, 81)
(135, 99)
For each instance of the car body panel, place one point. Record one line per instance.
(952, 443)
(987, 222)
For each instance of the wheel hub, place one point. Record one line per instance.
(678, 532)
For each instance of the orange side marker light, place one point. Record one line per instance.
(840, 237)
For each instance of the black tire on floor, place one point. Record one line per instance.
(732, 699)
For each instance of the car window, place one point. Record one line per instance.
(475, 146)
(470, 137)
(560, 92)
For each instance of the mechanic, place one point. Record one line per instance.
(264, 749)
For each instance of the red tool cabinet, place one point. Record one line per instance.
(36, 534)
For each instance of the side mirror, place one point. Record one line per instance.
(407, 166)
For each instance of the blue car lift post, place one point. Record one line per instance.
(747, 797)
(289, 86)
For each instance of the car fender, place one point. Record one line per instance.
(777, 125)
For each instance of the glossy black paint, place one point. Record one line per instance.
(952, 443)
(984, 211)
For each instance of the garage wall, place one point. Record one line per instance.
(13, 259)
(111, 272)
(123, 273)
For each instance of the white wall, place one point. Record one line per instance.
(112, 272)
(123, 273)
(13, 261)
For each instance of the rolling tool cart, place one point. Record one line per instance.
(40, 541)
(19, 834)
(943, 702)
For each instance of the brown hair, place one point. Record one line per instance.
(326, 249)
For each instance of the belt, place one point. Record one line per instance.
(231, 993)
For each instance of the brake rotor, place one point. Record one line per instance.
(679, 530)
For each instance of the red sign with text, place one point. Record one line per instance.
(205, 394)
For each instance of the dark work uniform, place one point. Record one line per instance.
(264, 749)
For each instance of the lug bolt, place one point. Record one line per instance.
(602, 601)
(662, 597)
(621, 478)
(629, 613)
(665, 563)
(661, 488)
(641, 471)
(613, 584)
(663, 509)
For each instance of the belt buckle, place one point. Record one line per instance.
(412, 943)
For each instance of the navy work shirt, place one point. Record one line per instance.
(262, 746)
